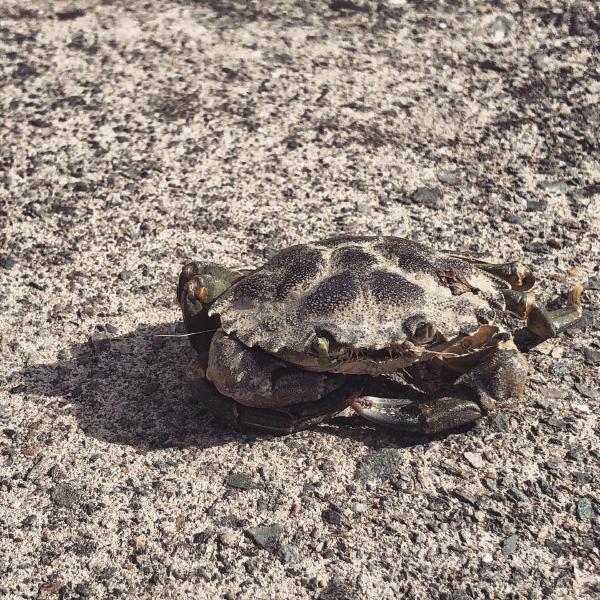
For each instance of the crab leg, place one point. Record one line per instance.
(419, 417)
(281, 421)
(541, 321)
(199, 285)
(518, 275)
(497, 378)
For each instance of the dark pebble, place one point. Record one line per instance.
(111, 328)
(514, 219)
(560, 369)
(64, 495)
(581, 477)
(266, 537)
(8, 262)
(240, 481)
(501, 423)
(554, 465)
(29, 521)
(200, 538)
(467, 498)
(429, 197)
(126, 275)
(269, 252)
(579, 454)
(585, 509)
(588, 543)
(592, 356)
(378, 467)
(220, 224)
(556, 423)
(332, 517)
(69, 14)
(536, 248)
(549, 490)
(510, 545)
(83, 590)
(554, 546)
(91, 509)
(150, 387)
(536, 206)
(516, 495)
(593, 283)
(579, 17)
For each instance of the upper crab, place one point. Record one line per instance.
(355, 304)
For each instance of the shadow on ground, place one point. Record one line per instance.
(132, 390)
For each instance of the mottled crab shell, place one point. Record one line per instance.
(365, 292)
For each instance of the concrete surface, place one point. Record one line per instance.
(135, 136)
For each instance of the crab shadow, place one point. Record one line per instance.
(132, 390)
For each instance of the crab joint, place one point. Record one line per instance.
(321, 346)
(202, 294)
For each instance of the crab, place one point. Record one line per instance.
(409, 337)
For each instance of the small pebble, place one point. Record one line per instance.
(474, 459)
(359, 507)
(586, 391)
(29, 521)
(126, 275)
(516, 495)
(510, 545)
(585, 509)
(266, 537)
(487, 558)
(429, 197)
(150, 387)
(8, 262)
(65, 495)
(592, 356)
(379, 466)
(333, 517)
(288, 554)
(450, 177)
(240, 481)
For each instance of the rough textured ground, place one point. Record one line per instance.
(138, 135)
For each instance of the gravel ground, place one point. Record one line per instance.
(137, 136)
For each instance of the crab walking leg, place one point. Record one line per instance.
(541, 321)
(517, 274)
(280, 421)
(199, 285)
(500, 376)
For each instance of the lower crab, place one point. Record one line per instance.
(411, 338)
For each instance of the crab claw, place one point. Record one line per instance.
(419, 417)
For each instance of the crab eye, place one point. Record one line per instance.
(420, 330)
